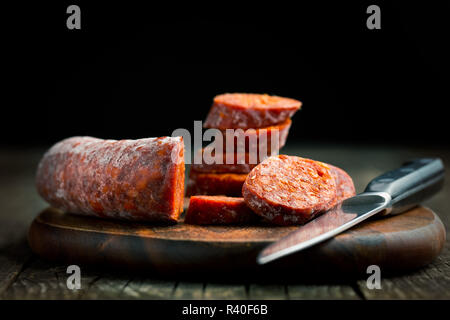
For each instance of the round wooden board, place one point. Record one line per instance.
(395, 244)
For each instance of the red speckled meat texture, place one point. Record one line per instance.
(344, 190)
(284, 186)
(218, 210)
(237, 162)
(248, 148)
(126, 179)
(344, 184)
(247, 110)
(227, 184)
(252, 140)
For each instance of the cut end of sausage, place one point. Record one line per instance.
(256, 101)
(289, 185)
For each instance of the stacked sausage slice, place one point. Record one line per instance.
(252, 127)
(282, 190)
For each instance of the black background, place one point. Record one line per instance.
(139, 71)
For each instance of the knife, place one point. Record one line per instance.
(391, 193)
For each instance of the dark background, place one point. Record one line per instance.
(139, 71)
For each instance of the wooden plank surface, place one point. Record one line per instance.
(267, 292)
(24, 276)
(41, 280)
(143, 288)
(225, 291)
(189, 290)
(321, 291)
(431, 282)
(13, 260)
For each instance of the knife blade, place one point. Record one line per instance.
(391, 193)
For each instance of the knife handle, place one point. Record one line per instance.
(410, 184)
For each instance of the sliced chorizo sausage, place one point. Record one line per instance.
(267, 139)
(344, 184)
(225, 163)
(344, 189)
(242, 150)
(247, 110)
(288, 185)
(227, 184)
(127, 179)
(218, 210)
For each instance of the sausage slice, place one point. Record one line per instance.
(218, 210)
(249, 110)
(344, 189)
(344, 184)
(252, 139)
(289, 186)
(228, 184)
(237, 162)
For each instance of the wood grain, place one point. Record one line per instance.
(267, 292)
(397, 243)
(189, 291)
(144, 288)
(430, 282)
(43, 281)
(225, 291)
(321, 291)
(13, 259)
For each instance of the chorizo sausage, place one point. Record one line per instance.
(244, 153)
(127, 179)
(227, 184)
(218, 210)
(247, 110)
(253, 139)
(283, 186)
(344, 189)
(344, 184)
(237, 163)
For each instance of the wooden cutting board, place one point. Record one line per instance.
(395, 244)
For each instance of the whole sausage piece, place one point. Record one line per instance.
(227, 184)
(218, 210)
(126, 179)
(285, 186)
(249, 110)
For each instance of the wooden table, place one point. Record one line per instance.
(26, 276)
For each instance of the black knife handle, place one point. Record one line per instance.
(410, 184)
